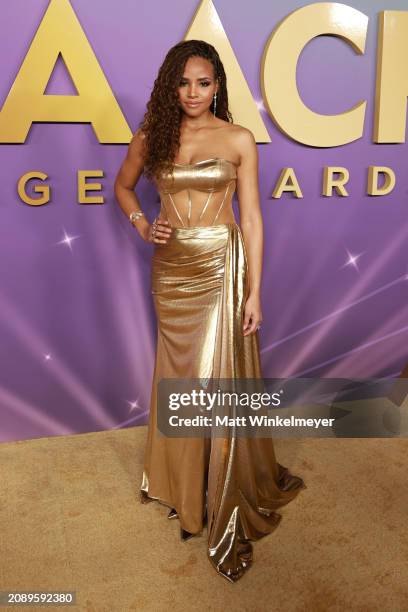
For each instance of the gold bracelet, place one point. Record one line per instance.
(135, 215)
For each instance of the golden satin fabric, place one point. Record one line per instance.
(199, 285)
(199, 193)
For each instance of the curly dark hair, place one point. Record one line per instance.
(162, 120)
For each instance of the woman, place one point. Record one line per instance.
(206, 274)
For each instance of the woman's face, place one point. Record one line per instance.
(197, 86)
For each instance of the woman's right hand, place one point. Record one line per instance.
(159, 231)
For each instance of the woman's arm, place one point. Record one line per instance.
(125, 182)
(251, 225)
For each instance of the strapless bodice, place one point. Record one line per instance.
(206, 175)
(183, 192)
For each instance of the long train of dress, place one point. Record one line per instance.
(200, 284)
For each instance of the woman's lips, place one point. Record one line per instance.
(193, 104)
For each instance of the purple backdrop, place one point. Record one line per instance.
(78, 326)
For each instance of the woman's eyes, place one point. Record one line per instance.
(204, 83)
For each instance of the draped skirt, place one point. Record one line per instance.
(234, 484)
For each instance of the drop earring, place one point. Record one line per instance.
(215, 103)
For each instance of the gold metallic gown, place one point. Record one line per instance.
(199, 286)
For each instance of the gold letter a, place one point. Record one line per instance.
(61, 33)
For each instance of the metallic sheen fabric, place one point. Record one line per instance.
(199, 193)
(199, 286)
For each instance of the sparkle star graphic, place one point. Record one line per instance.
(67, 239)
(134, 405)
(260, 105)
(352, 260)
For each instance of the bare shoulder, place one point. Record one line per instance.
(140, 134)
(244, 144)
(139, 138)
(239, 140)
(137, 147)
(232, 128)
(243, 137)
(240, 135)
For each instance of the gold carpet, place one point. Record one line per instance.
(71, 520)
